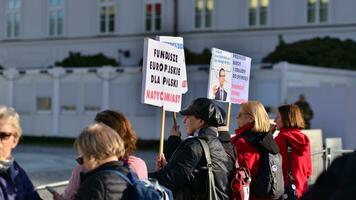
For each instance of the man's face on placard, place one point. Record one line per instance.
(222, 77)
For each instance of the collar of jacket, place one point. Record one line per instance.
(209, 131)
(105, 166)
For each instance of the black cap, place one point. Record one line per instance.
(206, 110)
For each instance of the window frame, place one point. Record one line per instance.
(317, 13)
(107, 4)
(13, 12)
(258, 14)
(203, 15)
(56, 9)
(153, 16)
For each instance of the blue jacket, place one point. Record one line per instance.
(15, 185)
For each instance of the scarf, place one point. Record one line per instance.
(241, 130)
(6, 164)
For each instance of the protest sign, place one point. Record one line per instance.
(229, 77)
(220, 75)
(240, 78)
(178, 43)
(162, 75)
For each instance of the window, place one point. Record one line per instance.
(69, 96)
(107, 13)
(153, 20)
(204, 13)
(13, 18)
(258, 12)
(55, 17)
(317, 11)
(44, 103)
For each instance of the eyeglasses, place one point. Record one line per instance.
(5, 135)
(80, 160)
(239, 115)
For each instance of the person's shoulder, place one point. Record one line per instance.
(139, 166)
(19, 169)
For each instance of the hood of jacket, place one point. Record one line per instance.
(298, 140)
(263, 141)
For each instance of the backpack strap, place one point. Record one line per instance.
(123, 176)
(290, 172)
(212, 191)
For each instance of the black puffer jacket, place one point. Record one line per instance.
(98, 184)
(186, 174)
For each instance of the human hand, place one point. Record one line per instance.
(215, 89)
(160, 162)
(57, 196)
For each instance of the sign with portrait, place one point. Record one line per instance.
(229, 77)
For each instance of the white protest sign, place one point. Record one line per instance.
(229, 77)
(162, 75)
(178, 43)
(220, 75)
(241, 66)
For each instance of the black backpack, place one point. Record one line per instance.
(269, 181)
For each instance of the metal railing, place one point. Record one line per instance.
(327, 155)
(330, 154)
(55, 184)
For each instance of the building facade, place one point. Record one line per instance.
(41, 32)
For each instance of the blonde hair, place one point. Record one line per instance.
(9, 116)
(99, 141)
(259, 115)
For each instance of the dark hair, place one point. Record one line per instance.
(221, 69)
(291, 116)
(122, 126)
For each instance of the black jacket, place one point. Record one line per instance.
(98, 184)
(186, 174)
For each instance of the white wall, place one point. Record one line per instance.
(331, 94)
(230, 30)
(334, 111)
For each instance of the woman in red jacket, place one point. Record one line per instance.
(251, 137)
(289, 121)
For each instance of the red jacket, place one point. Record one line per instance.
(301, 157)
(248, 156)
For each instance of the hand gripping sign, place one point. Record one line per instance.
(164, 78)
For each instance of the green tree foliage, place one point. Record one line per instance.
(192, 58)
(75, 59)
(325, 52)
(1, 67)
(197, 58)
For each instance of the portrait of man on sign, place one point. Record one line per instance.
(219, 91)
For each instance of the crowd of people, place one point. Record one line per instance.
(109, 143)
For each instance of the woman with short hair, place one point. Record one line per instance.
(289, 121)
(14, 182)
(100, 149)
(121, 124)
(252, 138)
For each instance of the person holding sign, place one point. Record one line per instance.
(220, 93)
(185, 173)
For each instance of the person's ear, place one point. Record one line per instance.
(15, 141)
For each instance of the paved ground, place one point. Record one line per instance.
(53, 164)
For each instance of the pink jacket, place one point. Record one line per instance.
(135, 163)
